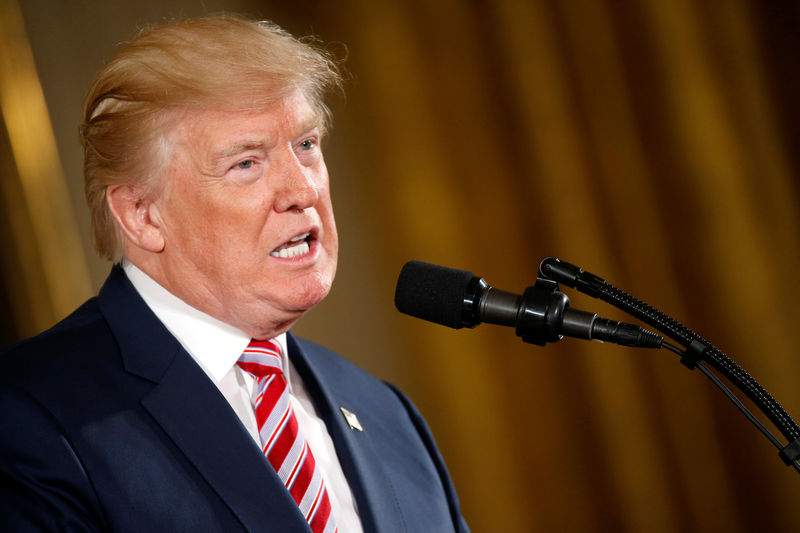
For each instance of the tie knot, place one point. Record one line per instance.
(261, 358)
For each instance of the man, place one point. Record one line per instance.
(176, 400)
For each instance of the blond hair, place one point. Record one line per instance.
(219, 61)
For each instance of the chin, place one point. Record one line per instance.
(310, 297)
(306, 293)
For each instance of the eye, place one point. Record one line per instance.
(308, 144)
(244, 165)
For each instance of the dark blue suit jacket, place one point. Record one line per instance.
(106, 423)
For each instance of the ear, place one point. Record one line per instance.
(137, 217)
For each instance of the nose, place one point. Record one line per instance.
(298, 187)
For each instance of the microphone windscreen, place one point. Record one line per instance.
(432, 292)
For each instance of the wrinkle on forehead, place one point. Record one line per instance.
(265, 140)
(292, 118)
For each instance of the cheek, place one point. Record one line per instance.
(326, 212)
(193, 222)
(198, 230)
(234, 238)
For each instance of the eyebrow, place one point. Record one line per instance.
(241, 146)
(315, 121)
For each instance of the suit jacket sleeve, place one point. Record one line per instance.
(43, 485)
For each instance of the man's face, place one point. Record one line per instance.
(246, 216)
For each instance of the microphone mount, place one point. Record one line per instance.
(541, 314)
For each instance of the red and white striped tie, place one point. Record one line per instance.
(286, 449)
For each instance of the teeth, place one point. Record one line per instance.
(292, 251)
(287, 250)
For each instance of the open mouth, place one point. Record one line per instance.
(294, 247)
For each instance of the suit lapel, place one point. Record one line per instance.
(199, 420)
(195, 415)
(373, 492)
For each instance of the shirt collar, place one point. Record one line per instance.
(213, 344)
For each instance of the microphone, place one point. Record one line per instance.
(458, 298)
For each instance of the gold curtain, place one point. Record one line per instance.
(648, 141)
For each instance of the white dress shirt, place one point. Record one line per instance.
(216, 347)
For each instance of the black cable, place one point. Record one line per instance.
(721, 362)
(698, 348)
(736, 401)
(597, 287)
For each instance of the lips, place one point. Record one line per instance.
(294, 247)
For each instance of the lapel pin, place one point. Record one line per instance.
(352, 419)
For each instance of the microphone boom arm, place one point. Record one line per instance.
(697, 348)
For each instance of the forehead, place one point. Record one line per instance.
(221, 131)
